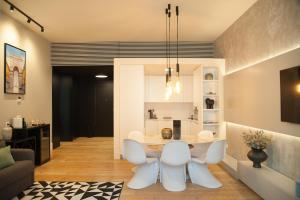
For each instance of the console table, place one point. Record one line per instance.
(36, 138)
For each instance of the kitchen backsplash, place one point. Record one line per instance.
(174, 110)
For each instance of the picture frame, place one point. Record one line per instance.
(14, 70)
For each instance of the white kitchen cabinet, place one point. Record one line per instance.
(186, 127)
(151, 127)
(195, 127)
(187, 88)
(146, 85)
(156, 91)
(131, 100)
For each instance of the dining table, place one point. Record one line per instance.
(156, 142)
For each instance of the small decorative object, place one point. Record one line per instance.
(151, 113)
(209, 103)
(257, 141)
(176, 129)
(7, 132)
(209, 76)
(18, 122)
(211, 93)
(166, 133)
(15, 70)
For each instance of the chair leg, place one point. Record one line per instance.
(173, 177)
(144, 176)
(200, 175)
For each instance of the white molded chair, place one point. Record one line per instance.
(147, 169)
(206, 133)
(199, 150)
(139, 137)
(198, 170)
(174, 157)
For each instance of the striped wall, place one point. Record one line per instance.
(80, 54)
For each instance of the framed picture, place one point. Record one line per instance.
(14, 70)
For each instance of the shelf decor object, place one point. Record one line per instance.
(257, 141)
(209, 103)
(15, 70)
(209, 76)
(166, 133)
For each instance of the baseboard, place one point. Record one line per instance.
(229, 164)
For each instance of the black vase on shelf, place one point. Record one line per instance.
(257, 156)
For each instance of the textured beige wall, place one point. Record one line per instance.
(252, 99)
(37, 101)
(256, 47)
(252, 95)
(268, 28)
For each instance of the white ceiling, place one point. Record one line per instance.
(128, 20)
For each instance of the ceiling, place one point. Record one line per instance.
(159, 70)
(128, 20)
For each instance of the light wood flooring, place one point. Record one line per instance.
(91, 159)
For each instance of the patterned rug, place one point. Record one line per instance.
(53, 190)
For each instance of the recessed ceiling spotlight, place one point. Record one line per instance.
(42, 29)
(12, 8)
(101, 76)
(28, 20)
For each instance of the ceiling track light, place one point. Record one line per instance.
(29, 19)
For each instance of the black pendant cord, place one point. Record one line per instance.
(177, 16)
(170, 72)
(167, 53)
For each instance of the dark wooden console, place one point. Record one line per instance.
(36, 138)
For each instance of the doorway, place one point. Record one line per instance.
(82, 103)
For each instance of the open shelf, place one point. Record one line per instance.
(211, 89)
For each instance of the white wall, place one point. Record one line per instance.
(37, 101)
(128, 103)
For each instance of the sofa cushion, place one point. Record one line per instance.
(13, 173)
(6, 158)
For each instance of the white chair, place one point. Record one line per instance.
(174, 157)
(206, 133)
(139, 137)
(147, 169)
(199, 150)
(198, 169)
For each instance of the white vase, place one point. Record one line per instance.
(7, 132)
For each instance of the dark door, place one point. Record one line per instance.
(103, 108)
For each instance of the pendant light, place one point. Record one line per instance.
(177, 84)
(169, 89)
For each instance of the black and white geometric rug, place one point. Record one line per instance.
(46, 190)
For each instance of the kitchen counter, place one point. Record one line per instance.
(154, 126)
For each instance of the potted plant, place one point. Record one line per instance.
(257, 141)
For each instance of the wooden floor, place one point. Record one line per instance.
(91, 159)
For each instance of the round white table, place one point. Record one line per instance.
(190, 139)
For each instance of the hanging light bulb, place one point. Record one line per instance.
(177, 85)
(169, 89)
